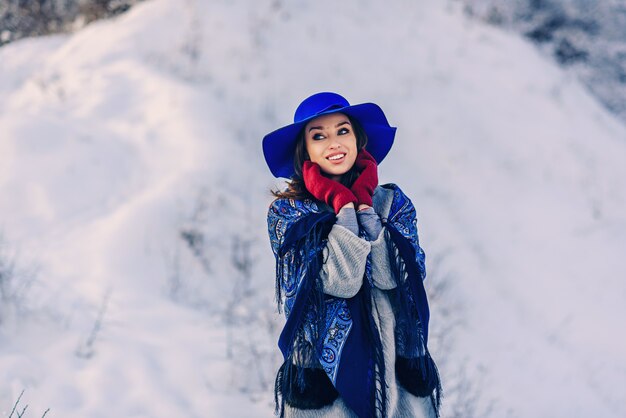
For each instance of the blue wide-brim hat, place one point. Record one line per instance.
(279, 146)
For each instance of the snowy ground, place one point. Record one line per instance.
(133, 143)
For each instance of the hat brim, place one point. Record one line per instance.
(279, 146)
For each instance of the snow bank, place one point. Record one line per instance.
(121, 140)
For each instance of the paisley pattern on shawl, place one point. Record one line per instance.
(413, 314)
(328, 335)
(403, 218)
(283, 215)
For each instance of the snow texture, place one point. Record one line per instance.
(588, 38)
(132, 175)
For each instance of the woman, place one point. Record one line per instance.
(349, 270)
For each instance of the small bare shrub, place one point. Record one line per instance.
(216, 269)
(15, 282)
(86, 349)
(19, 412)
(462, 392)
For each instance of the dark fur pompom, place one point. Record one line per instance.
(306, 388)
(416, 376)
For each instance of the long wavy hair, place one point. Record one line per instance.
(295, 185)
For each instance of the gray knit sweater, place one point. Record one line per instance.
(342, 274)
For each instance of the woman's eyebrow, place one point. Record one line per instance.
(345, 122)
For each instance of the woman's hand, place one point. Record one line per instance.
(322, 188)
(364, 185)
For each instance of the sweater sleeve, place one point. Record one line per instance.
(347, 218)
(371, 223)
(344, 254)
(344, 258)
(381, 268)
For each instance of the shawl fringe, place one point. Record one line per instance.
(302, 338)
(306, 318)
(303, 334)
(416, 370)
(376, 366)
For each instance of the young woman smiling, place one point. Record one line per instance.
(349, 270)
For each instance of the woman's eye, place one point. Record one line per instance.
(343, 131)
(318, 136)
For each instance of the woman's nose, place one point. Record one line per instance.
(334, 143)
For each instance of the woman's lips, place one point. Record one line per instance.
(336, 160)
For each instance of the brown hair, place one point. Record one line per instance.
(295, 185)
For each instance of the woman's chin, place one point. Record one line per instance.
(334, 173)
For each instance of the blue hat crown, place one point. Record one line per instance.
(318, 104)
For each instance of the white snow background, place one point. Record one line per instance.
(134, 194)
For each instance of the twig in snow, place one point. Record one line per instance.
(16, 403)
(21, 414)
(86, 350)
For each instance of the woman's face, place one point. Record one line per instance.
(331, 143)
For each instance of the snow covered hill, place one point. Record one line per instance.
(132, 177)
(587, 38)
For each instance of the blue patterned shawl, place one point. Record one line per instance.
(340, 333)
